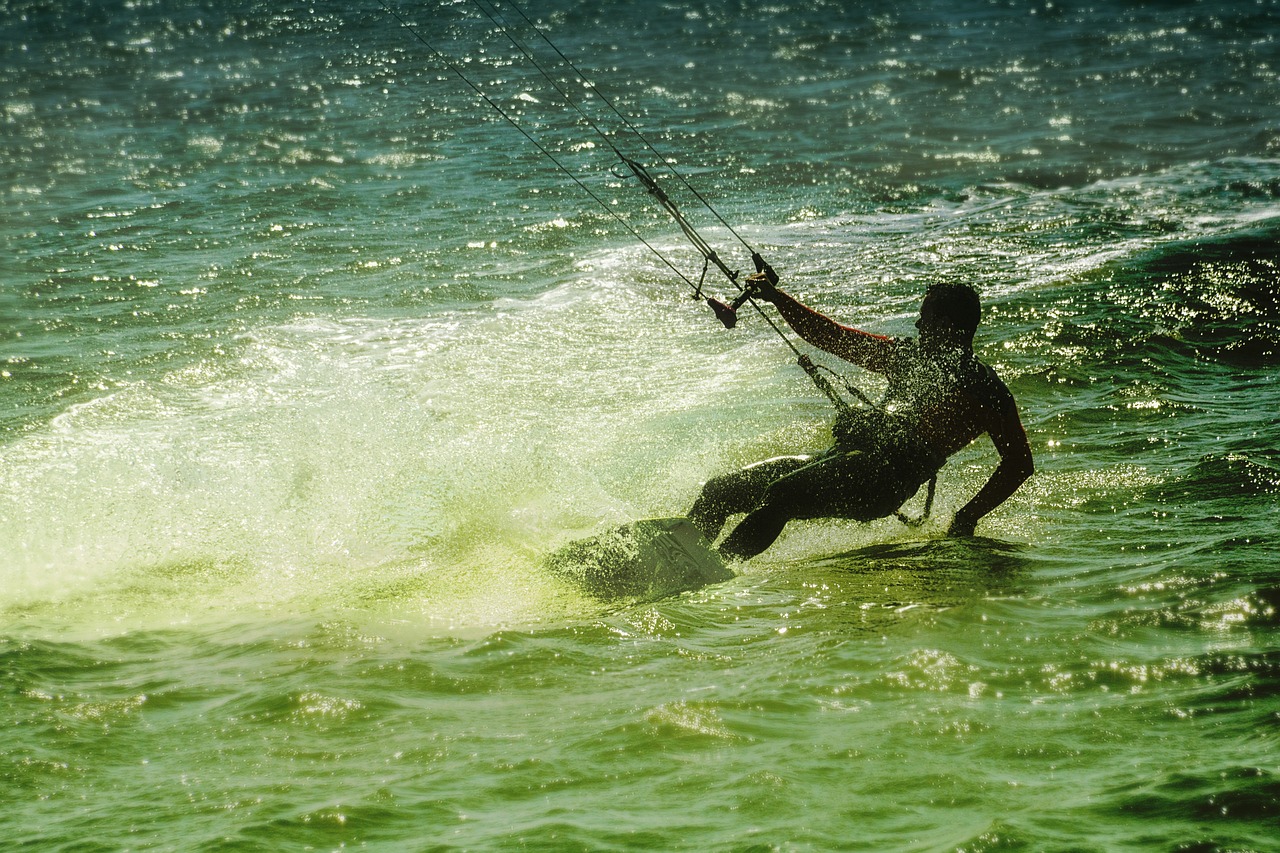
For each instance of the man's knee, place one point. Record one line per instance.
(719, 490)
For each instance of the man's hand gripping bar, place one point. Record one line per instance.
(759, 285)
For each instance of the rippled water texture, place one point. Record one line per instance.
(308, 359)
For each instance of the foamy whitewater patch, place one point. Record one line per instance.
(418, 467)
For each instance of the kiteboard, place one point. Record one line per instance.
(645, 560)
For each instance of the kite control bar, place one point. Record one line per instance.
(728, 314)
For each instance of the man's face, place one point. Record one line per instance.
(934, 326)
(930, 321)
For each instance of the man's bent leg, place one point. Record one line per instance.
(740, 491)
(841, 484)
(755, 532)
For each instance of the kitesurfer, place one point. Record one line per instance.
(940, 398)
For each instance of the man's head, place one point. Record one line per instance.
(951, 311)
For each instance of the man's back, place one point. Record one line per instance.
(948, 395)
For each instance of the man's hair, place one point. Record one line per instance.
(958, 303)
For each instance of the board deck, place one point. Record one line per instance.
(646, 560)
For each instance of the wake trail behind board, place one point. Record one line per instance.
(646, 560)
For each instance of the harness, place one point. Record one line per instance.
(873, 425)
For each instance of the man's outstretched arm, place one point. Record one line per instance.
(862, 348)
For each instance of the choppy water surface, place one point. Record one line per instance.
(307, 358)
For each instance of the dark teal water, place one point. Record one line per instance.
(307, 358)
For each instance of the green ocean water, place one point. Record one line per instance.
(308, 358)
